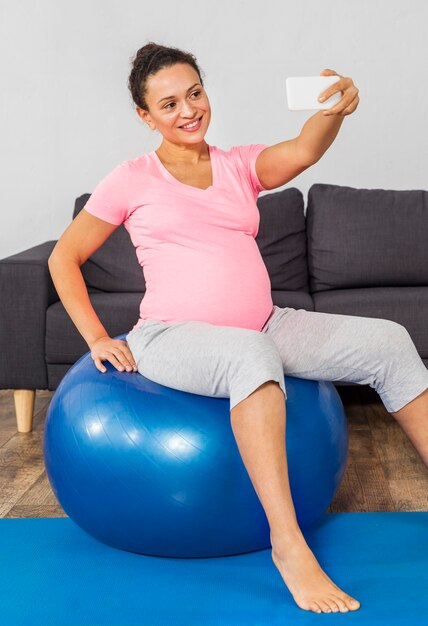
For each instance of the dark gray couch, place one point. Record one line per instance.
(355, 252)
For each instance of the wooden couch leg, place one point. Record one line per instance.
(24, 408)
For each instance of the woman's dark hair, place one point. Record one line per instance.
(148, 61)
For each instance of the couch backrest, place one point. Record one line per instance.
(281, 239)
(366, 237)
(114, 267)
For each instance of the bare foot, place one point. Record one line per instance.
(309, 585)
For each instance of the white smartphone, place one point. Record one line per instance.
(303, 92)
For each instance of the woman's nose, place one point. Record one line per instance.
(187, 111)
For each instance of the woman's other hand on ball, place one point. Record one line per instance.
(115, 351)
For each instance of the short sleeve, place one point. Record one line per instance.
(248, 156)
(109, 199)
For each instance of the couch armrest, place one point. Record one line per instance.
(26, 291)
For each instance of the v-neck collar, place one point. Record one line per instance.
(167, 174)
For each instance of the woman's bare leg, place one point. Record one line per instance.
(258, 424)
(413, 419)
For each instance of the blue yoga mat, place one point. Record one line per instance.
(54, 574)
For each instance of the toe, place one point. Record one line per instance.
(352, 603)
(325, 607)
(341, 604)
(315, 607)
(333, 604)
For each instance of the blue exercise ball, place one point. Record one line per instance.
(157, 471)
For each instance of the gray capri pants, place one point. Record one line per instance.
(232, 362)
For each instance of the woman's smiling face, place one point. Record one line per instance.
(175, 97)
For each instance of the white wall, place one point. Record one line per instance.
(67, 118)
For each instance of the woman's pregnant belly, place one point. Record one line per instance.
(228, 286)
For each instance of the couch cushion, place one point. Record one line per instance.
(114, 266)
(282, 239)
(118, 313)
(364, 237)
(406, 305)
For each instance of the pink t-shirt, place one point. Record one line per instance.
(196, 246)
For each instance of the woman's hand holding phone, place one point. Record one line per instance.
(311, 92)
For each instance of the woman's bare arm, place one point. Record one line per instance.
(80, 240)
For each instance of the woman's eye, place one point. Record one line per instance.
(167, 105)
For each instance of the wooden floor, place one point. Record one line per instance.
(384, 472)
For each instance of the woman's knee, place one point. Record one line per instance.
(261, 345)
(258, 353)
(388, 346)
(392, 337)
(258, 362)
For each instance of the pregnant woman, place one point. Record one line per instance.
(207, 322)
